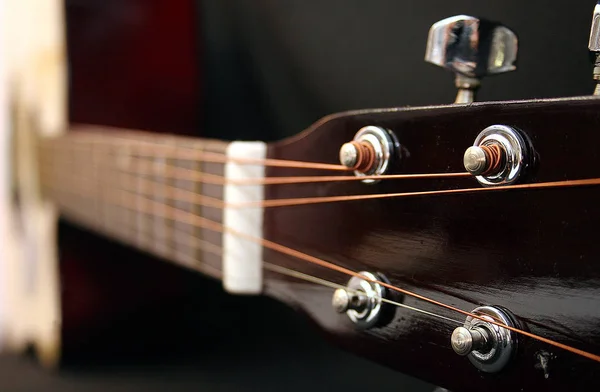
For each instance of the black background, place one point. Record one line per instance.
(273, 68)
(280, 65)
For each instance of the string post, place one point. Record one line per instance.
(371, 153)
(500, 155)
(465, 340)
(358, 156)
(484, 159)
(484, 340)
(363, 300)
(343, 301)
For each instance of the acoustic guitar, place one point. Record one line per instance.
(455, 243)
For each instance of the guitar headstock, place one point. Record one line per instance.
(458, 231)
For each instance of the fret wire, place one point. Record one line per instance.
(72, 212)
(96, 184)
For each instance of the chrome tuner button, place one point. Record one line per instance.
(370, 153)
(594, 46)
(471, 48)
(362, 301)
(489, 347)
(499, 156)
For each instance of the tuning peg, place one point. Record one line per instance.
(472, 48)
(594, 45)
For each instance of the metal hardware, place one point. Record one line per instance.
(472, 48)
(344, 301)
(489, 347)
(513, 156)
(594, 46)
(361, 300)
(370, 152)
(466, 340)
(349, 154)
(476, 160)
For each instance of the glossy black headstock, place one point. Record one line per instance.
(532, 252)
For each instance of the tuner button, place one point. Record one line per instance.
(594, 46)
(471, 48)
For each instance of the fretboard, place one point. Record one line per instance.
(127, 184)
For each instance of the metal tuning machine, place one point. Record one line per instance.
(471, 48)
(488, 346)
(594, 46)
(362, 301)
(499, 156)
(371, 152)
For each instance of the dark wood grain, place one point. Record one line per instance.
(534, 252)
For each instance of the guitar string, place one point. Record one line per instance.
(215, 157)
(177, 194)
(204, 245)
(179, 173)
(198, 221)
(332, 199)
(316, 280)
(191, 197)
(145, 148)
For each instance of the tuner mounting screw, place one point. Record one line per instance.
(371, 152)
(471, 48)
(489, 347)
(363, 300)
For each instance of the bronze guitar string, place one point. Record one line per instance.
(217, 250)
(494, 157)
(188, 196)
(211, 225)
(179, 173)
(148, 149)
(332, 199)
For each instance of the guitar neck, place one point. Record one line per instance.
(127, 185)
